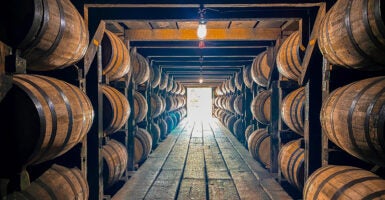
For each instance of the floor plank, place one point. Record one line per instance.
(201, 160)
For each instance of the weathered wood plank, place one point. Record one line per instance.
(192, 189)
(222, 189)
(141, 181)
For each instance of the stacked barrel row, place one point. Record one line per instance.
(42, 117)
(352, 116)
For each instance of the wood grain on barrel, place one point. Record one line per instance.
(54, 37)
(115, 58)
(352, 34)
(247, 79)
(260, 107)
(238, 81)
(343, 182)
(59, 116)
(292, 110)
(238, 104)
(115, 158)
(143, 145)
(259, 146)
(156, 105)
(141, 68)
(260, 70)
(353, 117)
(140, 107)
(288, 57)
(291, 162)
(116, 109)
(57, 183)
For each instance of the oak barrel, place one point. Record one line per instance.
(292, 110)
(170, 103)
(260, 70)
(57, 183)
(353, 117)
(238, 79)
(288, 57)
(143, 145)
(259, 146)
(116, 109)
(155, 76)
(343, 182)
(115, 158)
(238, 104)
(247, 79)
(291, 162)
(141, 68)
(230, 103)
(51, 34)
(156, 105)
(260, 107)
(58, 116)
(163, 129)
(163, 81)
(170, 84)
(249, 130)
(155, 134)
(170, 124)
(232, 84)
(352, 34)
(140, 107)
(115, 58)
(239, 129)
(230, 123)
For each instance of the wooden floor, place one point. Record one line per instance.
(201, 160)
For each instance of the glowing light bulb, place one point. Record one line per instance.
(202, 31)
(201, 80)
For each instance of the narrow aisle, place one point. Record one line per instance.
(201, 160)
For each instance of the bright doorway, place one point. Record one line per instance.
(199, 103)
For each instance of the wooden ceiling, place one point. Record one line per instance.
(165, 32)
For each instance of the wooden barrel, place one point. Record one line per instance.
(260, 107)
(174, 119)
(115, 58)
(116, 109)
(163, 104)
(170, 84)
(352, 34)
(238, 80)
(259, 146)
(353, 117)
(218, 91)
(230, 103)
(163, 129)
(344, 182)
(239, 130)
(180, 88)
(174, 87)
(141, 68)
(288, 57)
(42, 118)
(140, 107)
(50, 34)
(238, 104)
(247, 79)
(170, 124)
(170, 103)
(183, 91)
(155, 76)
(143, 145)
(163, 81)
(230, 122)
(260, 70)
(292, 110)
(155, 134)
(57, 183)
(249, 130)
(291, 162)
(232, 84)
(156, 105)
(115, 158)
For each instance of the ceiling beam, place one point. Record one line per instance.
(159, 60)
(208, 44)
(212, 34)
(204, 64)
(186, 52)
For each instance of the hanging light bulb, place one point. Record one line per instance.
(201, 80)
(202, 30)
